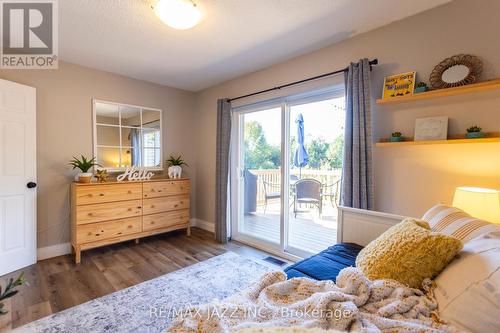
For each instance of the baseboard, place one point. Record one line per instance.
(53, 251)
(65, 248)
(202, 224)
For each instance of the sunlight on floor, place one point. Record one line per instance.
(308, 231)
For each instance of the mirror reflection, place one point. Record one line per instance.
(455, 73)
(127, 136)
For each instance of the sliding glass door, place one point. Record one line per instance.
(259, 196)
(285, 173)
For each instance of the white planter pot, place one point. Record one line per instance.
(174, 172)
(84, 177)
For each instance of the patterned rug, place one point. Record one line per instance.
(149, 306)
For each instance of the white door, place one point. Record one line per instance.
(17, 176)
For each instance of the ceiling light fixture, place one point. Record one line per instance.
(178, 14)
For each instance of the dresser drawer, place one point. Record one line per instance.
(104, 230)
(165, 188)
(90, 194)
(108, 211)
(165, 204)
(165, 220)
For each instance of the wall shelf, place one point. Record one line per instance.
(488, 139)
(475, 87)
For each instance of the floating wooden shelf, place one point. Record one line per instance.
(437, 142)
(475, 87)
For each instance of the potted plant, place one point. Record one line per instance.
(420, 87)
(474, 132)
(175, 166)
(396, 137)
(84, 165)
(10, 290)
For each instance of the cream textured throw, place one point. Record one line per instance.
(353, 304)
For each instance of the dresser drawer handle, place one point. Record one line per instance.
(152, 206)
(175, 206)
(89, 195)
(129, 192)
(90, 214)
(130, 226)
(101, 194)
(139, 207)
(130, 209)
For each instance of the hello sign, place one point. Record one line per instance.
(135, 173)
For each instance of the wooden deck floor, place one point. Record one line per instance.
(308, 231)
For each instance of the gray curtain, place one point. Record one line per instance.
(135, 141)
(357, 176)
(222, 169)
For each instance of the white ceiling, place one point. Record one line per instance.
(235, 37)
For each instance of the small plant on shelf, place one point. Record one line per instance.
(396, 137)
(10, 290)
(175, 166)
(84, 165)
(420, 87)
(474, 132)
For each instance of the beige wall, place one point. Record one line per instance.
(64, 129)
(408, 179)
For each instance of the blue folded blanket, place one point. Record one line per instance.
(327, 264)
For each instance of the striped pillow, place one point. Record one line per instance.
(454, 222)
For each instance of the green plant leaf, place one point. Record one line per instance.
(83, 163)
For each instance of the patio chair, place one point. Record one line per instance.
(308, 191)
(332, 191)
(271, 191)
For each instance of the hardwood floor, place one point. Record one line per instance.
(58, 283)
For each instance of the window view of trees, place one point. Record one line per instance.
(259, 154)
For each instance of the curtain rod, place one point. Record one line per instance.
(371, 62)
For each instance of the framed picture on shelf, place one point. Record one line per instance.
(399, 85)
(433, 128)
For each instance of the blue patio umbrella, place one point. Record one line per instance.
(301, 157)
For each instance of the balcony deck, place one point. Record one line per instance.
(308, 231)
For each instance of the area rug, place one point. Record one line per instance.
(151, 305)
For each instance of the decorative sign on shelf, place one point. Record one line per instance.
(399, 85)
(135, 173)
(432, 128)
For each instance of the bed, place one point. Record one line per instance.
(467, 291)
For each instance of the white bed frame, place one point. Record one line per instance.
(362, 226)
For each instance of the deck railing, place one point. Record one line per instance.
(273, 176)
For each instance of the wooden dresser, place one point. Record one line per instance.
(106, 213)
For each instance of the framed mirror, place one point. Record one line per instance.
(456, 71)
(127, 135)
